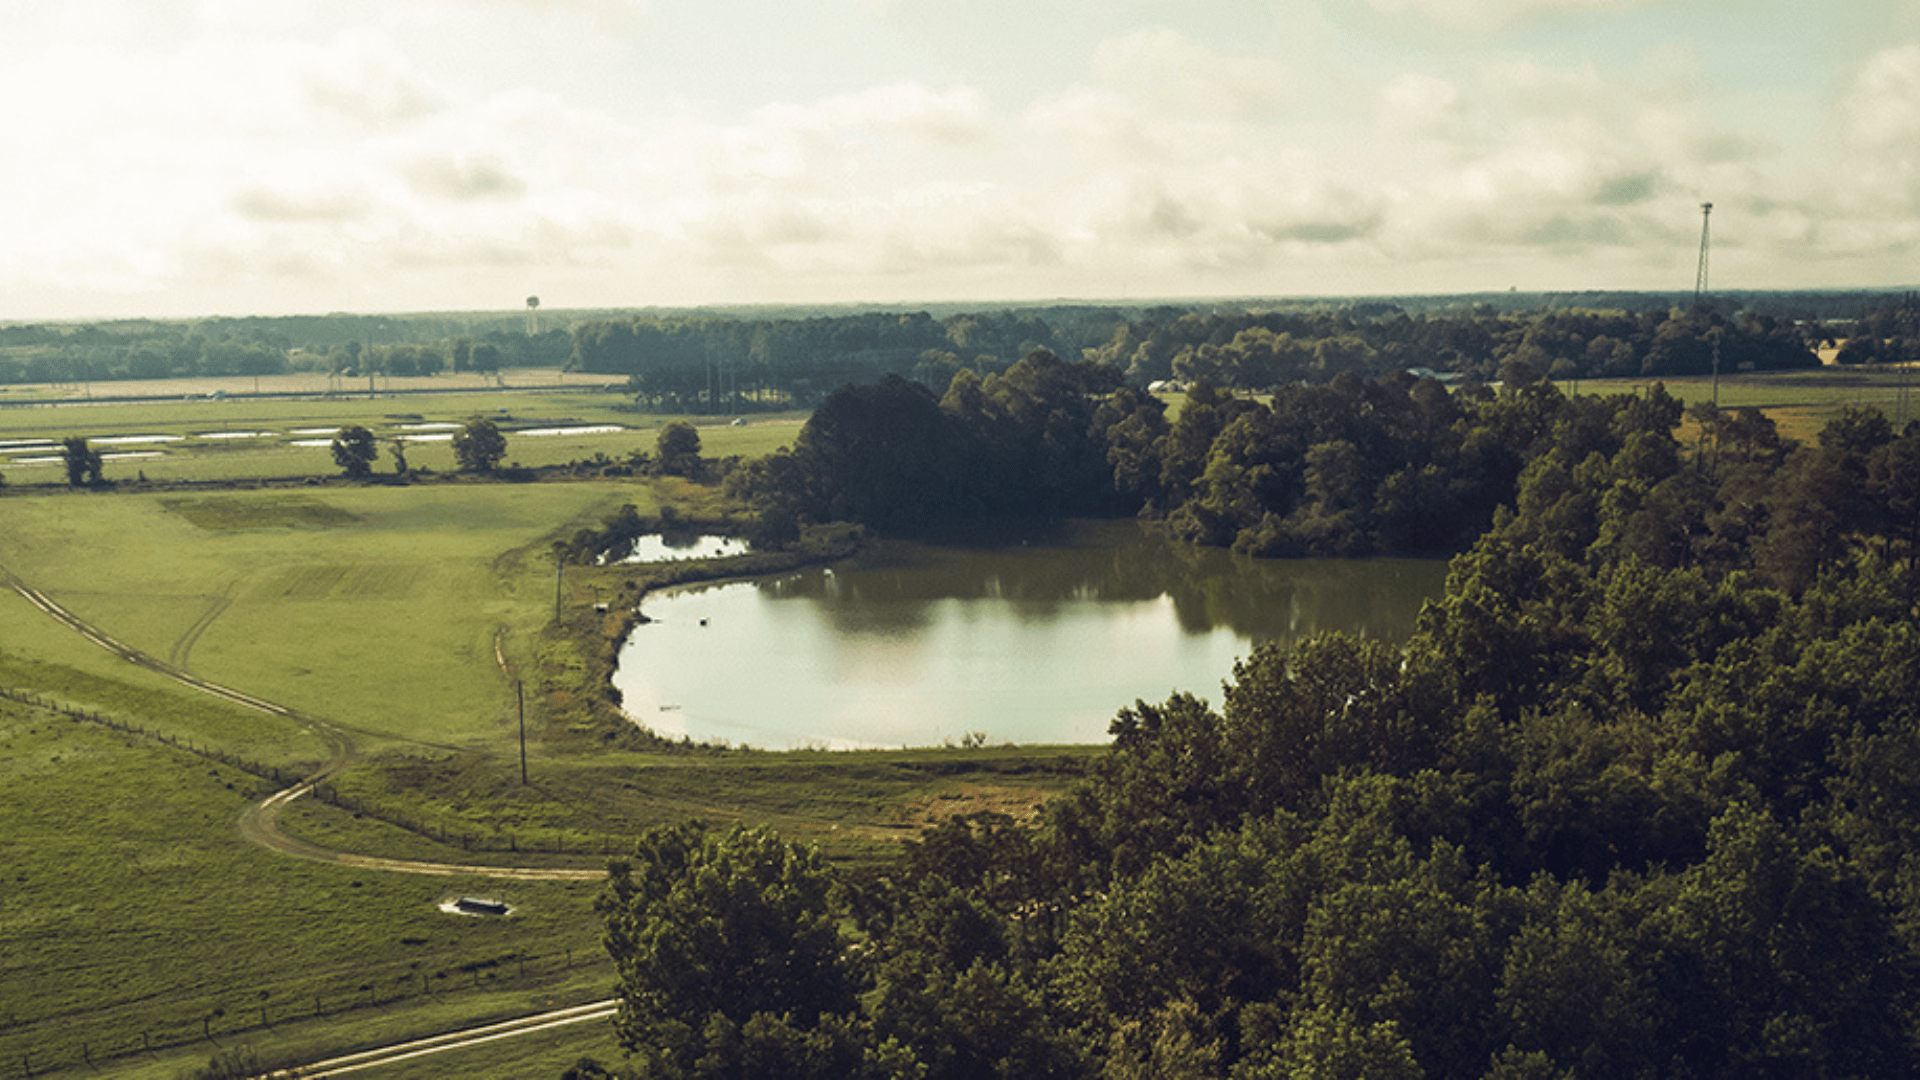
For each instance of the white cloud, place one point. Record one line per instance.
(1884, 109)
(1492, 15)
(1421, 103)
(367, 82)
(1164, 72)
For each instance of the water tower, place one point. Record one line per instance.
(533, 315)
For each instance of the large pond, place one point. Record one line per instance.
(1035, 643)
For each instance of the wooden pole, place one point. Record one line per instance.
(520, 701)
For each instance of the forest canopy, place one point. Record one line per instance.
(1635, 801)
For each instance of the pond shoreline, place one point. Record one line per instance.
(599, 628)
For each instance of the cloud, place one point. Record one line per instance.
(369, 83)
(1162, 70)
(1882, 168)
(264, 203)
(460, 178)
(1421, 103)
(1493, 15)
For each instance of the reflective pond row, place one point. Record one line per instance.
(47, 451)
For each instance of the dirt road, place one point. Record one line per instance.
(453, 1040)
(260, 823)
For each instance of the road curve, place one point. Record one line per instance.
(453, 1040)
(259, 824)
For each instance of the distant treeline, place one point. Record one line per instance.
(732, 361)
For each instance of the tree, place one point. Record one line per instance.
(716, 934)
(355, 451)
(479, 446)
(679, 449)
(82, 461)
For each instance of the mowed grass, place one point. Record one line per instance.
(135, 915)
(377, 607)
(856, 806)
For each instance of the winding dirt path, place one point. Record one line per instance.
(259, 824)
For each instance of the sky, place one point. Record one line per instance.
(184, 158)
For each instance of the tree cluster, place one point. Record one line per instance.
(1392, 465)
(1635, 801)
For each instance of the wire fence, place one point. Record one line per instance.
(38, 1047)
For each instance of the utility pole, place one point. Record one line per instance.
(520, 702)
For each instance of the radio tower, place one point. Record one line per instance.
(1700, 293)
(1700, 279)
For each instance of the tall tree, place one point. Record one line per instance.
(82, 461)
(355, 451)
(479, 446)
(679, 448)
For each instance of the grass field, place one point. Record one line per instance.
(135, 917)
(142, 917)
(245, 437)
(376, 607)
(1800, 402)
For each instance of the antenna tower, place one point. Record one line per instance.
(1700, 293)
(1700, 278)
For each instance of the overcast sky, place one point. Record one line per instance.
(176, 158)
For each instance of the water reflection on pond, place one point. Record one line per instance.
(916, 645)
(675, 547)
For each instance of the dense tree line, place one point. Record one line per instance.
(717, 362)
(345, 345)
(1355, 466)
(1636, 801)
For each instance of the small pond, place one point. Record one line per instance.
(679, 547)
(1042, 643)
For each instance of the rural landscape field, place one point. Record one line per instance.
(232, 618)
(392, 622)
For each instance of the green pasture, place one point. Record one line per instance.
(855, 805)
(1800, 402)
(376, 607)
(191, 455)
(135, 916)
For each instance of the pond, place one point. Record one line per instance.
(678, 547)
(1041, 643)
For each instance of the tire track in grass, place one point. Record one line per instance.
(259, 824)
(183, 646)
